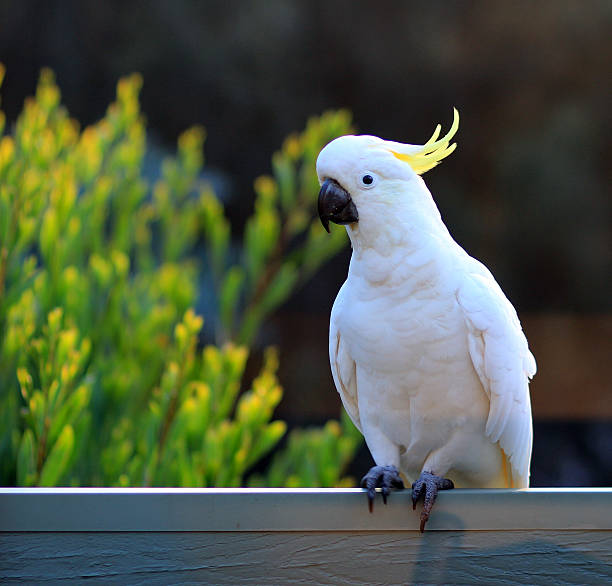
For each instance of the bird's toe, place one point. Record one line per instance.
(383, 477)
(427, 486)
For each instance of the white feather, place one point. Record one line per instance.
(498, 349)
(343, 369)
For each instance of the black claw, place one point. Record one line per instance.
(423, 521)
(383, 477)
(428, 485)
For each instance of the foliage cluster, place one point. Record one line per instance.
(104, 377)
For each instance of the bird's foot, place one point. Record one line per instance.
(427, 486)
(383, 477)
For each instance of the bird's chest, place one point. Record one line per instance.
(411, 334)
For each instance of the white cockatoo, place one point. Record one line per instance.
(427, 353)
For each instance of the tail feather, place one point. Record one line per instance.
(513, 478)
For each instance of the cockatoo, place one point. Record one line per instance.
(426, 351)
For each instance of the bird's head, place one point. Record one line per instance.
(367, 176)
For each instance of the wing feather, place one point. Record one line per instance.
(342, 365)
(500, 355)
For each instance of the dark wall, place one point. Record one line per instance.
(528, 189)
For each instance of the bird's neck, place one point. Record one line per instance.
(399, 242)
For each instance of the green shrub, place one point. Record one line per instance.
(103, 377)
(314, 457)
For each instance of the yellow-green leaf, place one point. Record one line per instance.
(26, 463)
(58, 459)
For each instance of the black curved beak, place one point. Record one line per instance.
(335, 204)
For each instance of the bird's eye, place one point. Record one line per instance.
(367, 179)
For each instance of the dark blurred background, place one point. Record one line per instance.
(527, 192)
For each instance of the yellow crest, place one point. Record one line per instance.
(423, 158)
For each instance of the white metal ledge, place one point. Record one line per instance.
(243, 509)
(309, 536)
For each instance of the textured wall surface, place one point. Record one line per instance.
(398, 557)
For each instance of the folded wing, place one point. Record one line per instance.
(343, 366)
(500, 355)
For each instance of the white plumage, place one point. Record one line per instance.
(426, 352)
